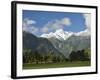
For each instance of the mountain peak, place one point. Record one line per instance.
(62, 35)
(59, 34)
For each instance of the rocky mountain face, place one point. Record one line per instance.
(42, 45)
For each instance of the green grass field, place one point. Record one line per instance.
(57, 65)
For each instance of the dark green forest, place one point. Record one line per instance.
(34, 57)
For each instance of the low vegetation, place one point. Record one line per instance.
(57, 65)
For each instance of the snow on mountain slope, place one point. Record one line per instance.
(64, 35)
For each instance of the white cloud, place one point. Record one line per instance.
(56, 24)
(86, 32)
(45, 29)
(87, 18)
(29, 21)
(28, 25)
(34, 29)
(66, 21)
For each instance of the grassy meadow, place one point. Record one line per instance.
(57, 65)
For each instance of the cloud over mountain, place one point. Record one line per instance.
(87, 18)
(87, 31)
(56, 24)
(28, 26)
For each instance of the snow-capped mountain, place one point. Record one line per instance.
(59, 34)
(64, 35)
(66, 42)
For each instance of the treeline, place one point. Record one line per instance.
(34, 57)
(80, 55)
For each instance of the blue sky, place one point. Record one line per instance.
(40, 22)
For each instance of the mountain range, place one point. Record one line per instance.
(60, 34)
(59, 43)
(66, 42)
